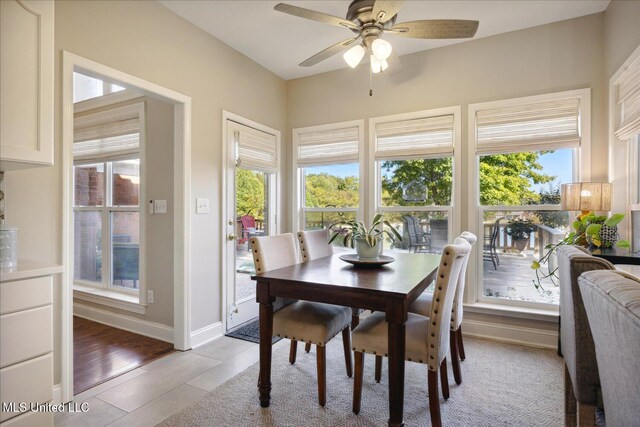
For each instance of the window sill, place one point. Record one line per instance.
(547, 315)
(113, 299)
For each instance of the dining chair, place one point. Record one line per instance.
(422, 306)
(306, 321)
(612, 303)
(426, 338)
(314, 244)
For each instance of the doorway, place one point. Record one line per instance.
(251, 187)
(113, 252)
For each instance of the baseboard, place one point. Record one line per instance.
(511, 334)
(206, 334)
(142, 327)
(57, 394)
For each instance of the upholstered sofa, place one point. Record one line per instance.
(612, 303)
(582, 384)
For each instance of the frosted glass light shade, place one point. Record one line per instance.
(354, 55)
(586, 196)
(381, 49)
(378, 65)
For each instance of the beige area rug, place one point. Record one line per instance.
(503, 385)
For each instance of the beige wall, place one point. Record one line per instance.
(555, 57)
(156, 45)
(621, 33)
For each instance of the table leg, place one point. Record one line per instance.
(266, 330)
(396, 373)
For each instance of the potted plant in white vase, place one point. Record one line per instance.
(368, 241)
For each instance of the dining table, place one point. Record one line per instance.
(390, 288)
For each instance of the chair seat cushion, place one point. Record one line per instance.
(422, 305)
(371, 336)
(312, 322)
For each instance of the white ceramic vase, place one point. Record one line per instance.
(364, 251)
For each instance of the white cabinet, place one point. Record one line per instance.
(26, 83)
(26, 342)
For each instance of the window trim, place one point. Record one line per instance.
(298, 190)
(375, 175)
(582, 172)
(105, 290)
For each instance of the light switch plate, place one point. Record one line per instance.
(160, 206)
(202, 206)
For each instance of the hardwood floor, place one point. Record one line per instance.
(102, 352)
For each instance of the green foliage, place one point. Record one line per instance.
(520, 228)
(324, 190)
(554, 219)
(505, 179)
(250, 192)
(435, 174)
(352, 230)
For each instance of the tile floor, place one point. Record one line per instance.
(153, 392)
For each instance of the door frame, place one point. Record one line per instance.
(226, 149)
(182, 211)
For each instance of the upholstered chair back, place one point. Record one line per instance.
(273, 252)
(577, 342)
(314, 244)
(456, 316)
(445, 288)
(612, 303)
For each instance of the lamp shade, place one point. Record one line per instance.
(586, 196)
(354, 55)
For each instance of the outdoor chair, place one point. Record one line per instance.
(426, 338)
(612, 303)
(307, 321)
(419, 240)
(581, 381)
(490, 251)
(249, 229)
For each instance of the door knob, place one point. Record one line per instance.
(232, 237)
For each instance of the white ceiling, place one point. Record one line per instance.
(279, 42)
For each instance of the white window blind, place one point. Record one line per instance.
(536, 126)
(108, 133)
(328, 147)
(417, 138)
(257, 150)
(629, 99)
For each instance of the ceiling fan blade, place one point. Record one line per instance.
(436, 29)
(314, 16)
(328, 52)
(389, 9)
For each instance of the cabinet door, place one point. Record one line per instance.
(26, 83)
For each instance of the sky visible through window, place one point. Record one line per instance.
(558, 163)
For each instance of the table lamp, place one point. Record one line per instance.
(586, 197)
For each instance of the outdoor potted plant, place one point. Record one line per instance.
(520, 230)
(368, 241)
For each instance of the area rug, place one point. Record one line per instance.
(249, 332)
(503, 385)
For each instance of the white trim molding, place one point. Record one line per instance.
(108, 298)
(207, 334)
(132, 324)
(510, 334)
(180, 333)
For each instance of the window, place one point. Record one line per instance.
(414, 176)
(107, 193)
(525, 149)
(86, 87)
(328, 165)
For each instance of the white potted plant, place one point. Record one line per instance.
(368, 241)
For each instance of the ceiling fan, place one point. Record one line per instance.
(369, 20)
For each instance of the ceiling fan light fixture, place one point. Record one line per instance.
(353, 56)
(378, 65)
(381, 49)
